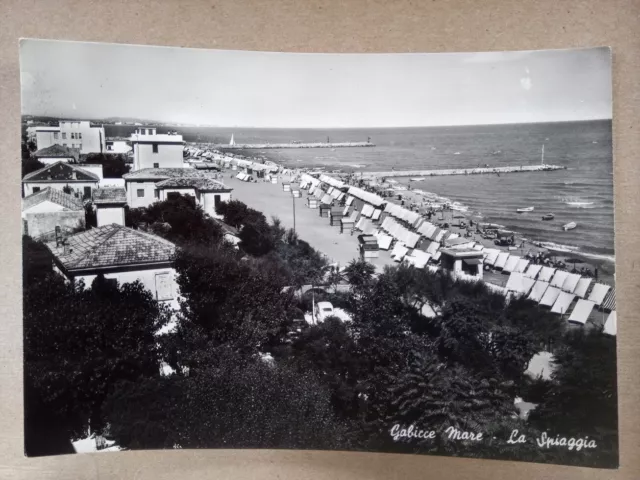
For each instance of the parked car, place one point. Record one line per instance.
(323, 311)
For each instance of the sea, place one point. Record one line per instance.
(583, 193)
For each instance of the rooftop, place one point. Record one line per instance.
(112, 246)
(56, 150)
(109, 195)
(157, 138)
(61, 171)
(199, 183)
(462, 252)
(52, 195)
(165, 173)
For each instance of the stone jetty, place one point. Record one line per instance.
(264, 146)
(463, 171)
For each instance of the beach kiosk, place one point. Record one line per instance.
(324, 209)
(295, 192)
(368, 247)
(312, 202)
(462, 262)
(335, 215)
(286, 187)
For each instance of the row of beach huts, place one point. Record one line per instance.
(410, 237)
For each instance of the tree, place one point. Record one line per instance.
(431, 393)
(359, 274)
(90, 216)
(233, 212)
(78, 343)
(239, 402)
(113, 166)
(229, 302)
(179, 220)
(582, 397)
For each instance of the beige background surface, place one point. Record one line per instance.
(323, 26)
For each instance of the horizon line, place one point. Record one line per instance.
(152, 122)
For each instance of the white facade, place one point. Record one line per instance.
(73, 134)
(161, 282)
(141, 193)
(207, 200)
(152, 150)
(106, 215)
(85, 188)
(94, 168)
(117, 146)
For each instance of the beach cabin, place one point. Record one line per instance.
(312, 202)
(324, 209)
(335, 215)
(368, 247)
(461, 263)
(286, 187)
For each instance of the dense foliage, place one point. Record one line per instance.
(113, 165)
(249, 371)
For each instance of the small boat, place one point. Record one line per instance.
(548, 216)
(525, 209)
(569, 226)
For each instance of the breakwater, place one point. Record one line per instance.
(463, 171)
(265, 146)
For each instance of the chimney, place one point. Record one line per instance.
(74, 176)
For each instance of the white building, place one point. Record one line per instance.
(73, 134)
(118, 146)
(49, 208)
(60, 175)
(153, 150)
(150, 185)
(109, 204)
(122, 255)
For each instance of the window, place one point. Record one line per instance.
(216, 200)
(156, 165)
(55, 135)
(80, 136)
(156, 193)
(163, 286)
(155, 148)
(36, 189)
(73, 136)
(173, 195)
(87, 192)
(64, 135)
(140, 192)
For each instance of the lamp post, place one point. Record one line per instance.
(293, 200)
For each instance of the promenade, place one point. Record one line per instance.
(462, 171)
(269, 199)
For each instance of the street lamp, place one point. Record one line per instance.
(293, 200)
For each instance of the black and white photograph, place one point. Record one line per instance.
(402, 253)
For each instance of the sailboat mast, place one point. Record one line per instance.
(542, 156)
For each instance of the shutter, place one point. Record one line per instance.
(163, 286)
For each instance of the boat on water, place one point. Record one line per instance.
(569, 226)
(525, 209)
(548, 216)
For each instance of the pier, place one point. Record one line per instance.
(265, 146)
(463, 171)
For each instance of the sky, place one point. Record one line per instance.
(295, 90)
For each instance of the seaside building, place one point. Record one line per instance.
(462, 263)
(117, 146)
(79, 181)
(109, 204)
(122, 255)
(57, 153)
(80, 135)
(47, 209)
(153, 150)
(144, 187)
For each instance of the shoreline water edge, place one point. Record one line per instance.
(459, 218)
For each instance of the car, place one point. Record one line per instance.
(323, 311)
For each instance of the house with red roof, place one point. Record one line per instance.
(60, 175)
(122, 255)
(150, 185)
(47, 209)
